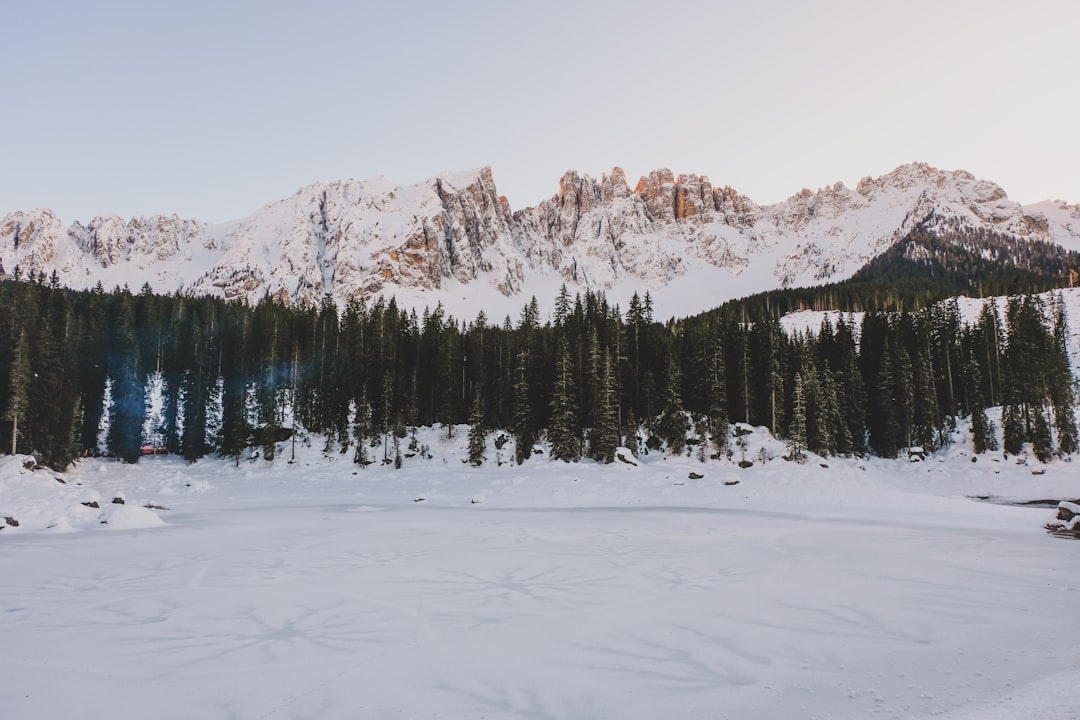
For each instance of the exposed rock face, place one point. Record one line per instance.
(678, 235)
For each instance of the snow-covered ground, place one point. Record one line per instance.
(870, 588)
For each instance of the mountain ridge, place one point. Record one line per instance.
(452, 239)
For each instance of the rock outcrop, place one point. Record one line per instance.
(678, 236)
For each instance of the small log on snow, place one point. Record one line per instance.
(696, 476)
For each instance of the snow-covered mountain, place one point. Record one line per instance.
(454, 239)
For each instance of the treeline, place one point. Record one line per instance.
(939, 259)
(234, 379)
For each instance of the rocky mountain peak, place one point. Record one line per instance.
(688, 242)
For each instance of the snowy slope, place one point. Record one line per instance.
(453, 239)
(1063, 221)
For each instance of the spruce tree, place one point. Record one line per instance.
(840, 434)
(196, 382)
(796, 440)
(716, 396)
(128, 399)
(235, 429)
(19, 379)
(362, 429)
(672, 425)
(885, 429)
(982, 431)
(604, 439)
(521, 426)
(924, 424)
(904, 392)
(1062, 396)
(851, 386)
(1041, 443)
(631, 439)
(562, 432)
(477, 442)
(1012, 426)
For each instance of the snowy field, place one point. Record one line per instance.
(316, 590)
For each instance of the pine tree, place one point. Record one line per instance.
(1062, 396)
(196, 381)
(562, 306)
(982, 431)
(885, 429)
(716, 396)
(385, 424)
(128, 399)
(924, 396)
(604, 440)
(852, 389)
(521, 427)
(840, 440)
(477, 441)
(18, 386)
(796, 440)
(1041, 443)
(362, 429)
(93, 349)
(631, 440)
(672, 425)
(235, 429)
(266, 388)
(904, 392)
(562, 432)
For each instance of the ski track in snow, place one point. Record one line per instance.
(871, 589)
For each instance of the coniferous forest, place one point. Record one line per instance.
(78, 369)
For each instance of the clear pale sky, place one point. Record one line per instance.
(212, 108)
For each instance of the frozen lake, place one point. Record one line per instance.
(259, 600)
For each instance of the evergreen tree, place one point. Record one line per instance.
(562, 306)
(982, 431)
(716, 396)
(128, 400)
(851, 388)
(604, 439)
(631, 439)
(796, 440)
(925, 422)
(885, 428)
(19, 378)
(235, 430)
(839, 434)
(1012, 427)
(1041, 443)
(672, 425)
(268, 333)
(562, 433)
(524, 436)
(477, 441)
(904, 392)
(197, 384)
(1062, 395)
(362, 429)
(385, 424)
